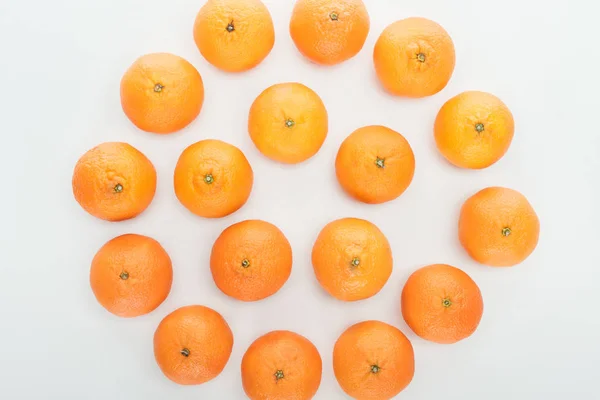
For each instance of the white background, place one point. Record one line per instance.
(60, 66)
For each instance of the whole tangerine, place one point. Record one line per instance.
(352, 259)
(213, 179)
(234, 35)
(192, 345)
(114, 181)
(329, 32)
(414, 57)
(288, 122)
(131, 275)
(162, 93)
(441, 303)
(251, 260)
(498, 227)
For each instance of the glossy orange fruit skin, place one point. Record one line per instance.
(352, 259)
(498, 227)
(441, 303)
(234, 35)
(373, 361)
(162, 93)
(329, 32)
(414, 57)
(192, 345)
(213, 179)
(281, 365)
(474, 130)
(375, 164)
(288, 123)
(251, 260)
(114, 181)
(131, 275)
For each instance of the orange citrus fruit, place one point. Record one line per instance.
(329, 32)
(414, 57)
(234, 35)
(162, 93)
(288, 123)
(498, 227)
(213, 179)
(375, 164)
(281, 365)
(192, 345)
(251, 260)
(114, 181)
(474, 130)
(441, 303)
(131, 275)
(352, 259)
(373, 361)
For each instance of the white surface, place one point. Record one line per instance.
(60, 67)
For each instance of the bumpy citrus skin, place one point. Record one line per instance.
(373, 361)
(414, 57)
(375, 164)
(474, 130)
(213, 179)
(498, 227)
(329, 32)
(131, 275)
(352, 259)
(234, 35)
(288, 122)
(442, 304)
(251, 260)
(192, 345)
(281, 365)
(114, 181)
(162, 93)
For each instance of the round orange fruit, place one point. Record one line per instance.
(251, 260)
(442, 304)
(213, 179)
(288, 123)
(414, 57)
(114, 181)
(162, 93)
(375, 164)
(373, 361)
(498, 227)
(329, 32)
(192, 345)
(234, 35)
(281, 365)
(131, 275)
(352, 259)
(474, 130)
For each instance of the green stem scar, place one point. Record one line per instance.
(421, 57)
(185, 352)
(245, 263)
(334, 16)
(355, 262)
(479, 127)
(208, 179)
(118, 188)
(278, 374)
(230, 27)
(289, 122)
(380, 162)
(124, 275)
(446, 303)
(375, 369)
(158, 88)
(506, 231)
